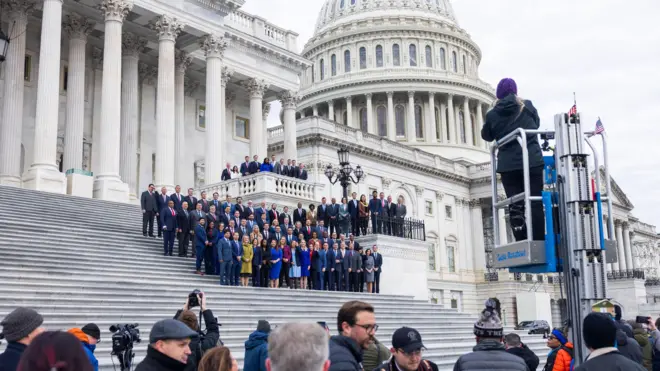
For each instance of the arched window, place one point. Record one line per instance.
(419, 122)
(438, 124)
(412, 51)
(322, 69)
(429, 56)
(381, 117)
(449, 138)
(333, 65)
(443, 59)
(400, 120)
(363, 58)
(454, 62)
(345, 118)
(363, 120)
(461, 124)
(396, 55)
(379, 56)
(451, 259)
(347, 61)
(464, 65)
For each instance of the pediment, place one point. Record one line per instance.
(618, 196)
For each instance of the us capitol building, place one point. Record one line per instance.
(102, 97)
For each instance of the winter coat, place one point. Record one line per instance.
(506, 117)
(89, 349)
(643, 340)
(246, 260)
(612, 361)
(489, 355)
(559, 359)
(375, 355)
(157, 361)
(200, 345)
(256, 352)
(527, 355)
(345, 354)
(12, 355)
(629, 347)
(390, 365)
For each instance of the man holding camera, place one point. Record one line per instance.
(204, 341)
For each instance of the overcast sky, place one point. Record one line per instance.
(605, 51)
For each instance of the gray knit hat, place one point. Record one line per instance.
(489, 324)
(20, 323)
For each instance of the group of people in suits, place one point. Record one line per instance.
(290, 168)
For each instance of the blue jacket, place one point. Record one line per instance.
(266, 167)
(9, 359)
(167, 219)
(236, 251)
(375, 206)
(256, 352)
(256, 257)
(330, 260)
(200, 236)
(224, 250)
(89, 350)
(319, 263)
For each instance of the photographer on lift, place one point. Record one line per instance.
(206, 340)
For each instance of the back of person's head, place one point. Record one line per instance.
(190, 319)
(599, 331)
(512, 340)
(618, 312)
(55, 351)
(349, 311)
(657, 323)
(216, 359)
(298, 346)
(489, 325)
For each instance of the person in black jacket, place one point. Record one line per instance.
(516, 347)
(203, 343)
(149, 210)
(169, 347)
(357, 326)
(406, 352)
(511, 113)
(19, 328)
(599, 333)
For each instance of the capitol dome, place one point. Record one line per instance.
(399, 69)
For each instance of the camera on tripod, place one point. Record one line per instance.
(123, 337)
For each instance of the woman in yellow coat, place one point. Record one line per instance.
(246, 266)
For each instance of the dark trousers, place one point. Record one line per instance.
(311, 281)
(337, 284)
(355, 281)
(360, 285)
(148, 219)
(225, 272)
(363, 224)
(216, 260)
(256, 276)
(200, 256)
(513, 183)
(346, 277)
(374, 224)
(328, 280)
(376, 287)
(184, 242)
(332, 227)
(160, 226)
(168, 242)
(235, 272)
(354, 226)
(265, 275)
(284, 274)
(318, 280)
(388, 225)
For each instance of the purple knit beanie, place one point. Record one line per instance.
(505, 87)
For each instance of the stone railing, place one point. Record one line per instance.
(261, 29)
(330, 129)
(263, 184)
(480, 170)
(626, 274)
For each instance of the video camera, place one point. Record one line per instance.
(123, 337)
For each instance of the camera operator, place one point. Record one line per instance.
(205, 341)
(89, 336)
(169, 347)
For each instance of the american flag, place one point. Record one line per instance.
(573, 110)
(599, 127)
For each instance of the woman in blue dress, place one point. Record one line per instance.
(276, 264)
(305, 262)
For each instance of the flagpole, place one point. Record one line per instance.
(574, 100)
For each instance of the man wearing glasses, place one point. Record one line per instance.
(357, 326)
(406, 352)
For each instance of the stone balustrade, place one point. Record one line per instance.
(265, 186)
(261, 29)
(480, 170)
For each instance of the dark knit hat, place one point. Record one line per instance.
(263, 326)
(92, 330)
(489, 324)
(599, 330)
(505, 87)
(20, 323)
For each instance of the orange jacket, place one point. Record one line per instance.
(79, 334)
(563, 359)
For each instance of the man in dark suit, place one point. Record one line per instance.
(356, 245)
(347, 269)
(211, 216)
(205, 203)
(245, 167)
(273, 214)
(321, 229)
(299, 214)
(333, 213)
(285, 215)
(353, 208)
(161, 202)
(290, 236)
(294, 171)
(378, 267)
(177, 197)
(355, 268)
(256, 266)
(225, 255)
(237, 254)
(191, 200)
(217, 203)
(169, 222)
(287, 168)
(375, 209)
(265, 231)
(277, 235)
(279, 167)
(228, 203)
(330, 264)
(391, 213)
(237, 219)
(399, 216)
(302, 173)
(298, 230)
(183, 229)
(149, 210)
(225, 216)
(226, 173)
(195, 217)
(262, 221)
(254, 166)
(239, 207)
(338, 277)
(322, 212)
(308, 229)
(249, 210)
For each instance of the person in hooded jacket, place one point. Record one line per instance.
(510, 113)
(200, 344)
(89, 335)
(561, 353)
(518, 348)
(642, 337)
(628, 346)
(256, 348)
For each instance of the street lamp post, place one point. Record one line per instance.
(345, 174)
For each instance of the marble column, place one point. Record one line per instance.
(453, 135)
(432, 134)
(621, 256)
(258, 144)
(265, 111)
(78, 28)
(43, 174)
(227, 127)
(107, 183)
(214, 47)
(443, 123)
(168, 29)
(635, 262)
(370, 115)
(468, 122)
(469, 235)
(132, 46)
(480, 124)
(315, 110)
(349, 111)
(627, 246)
(289, 101)
(331, 110)
(457, 121)
(11, 126)
(182, 62)
(97, 65)
(478, 235)
(147, 76)
(411, 133)
(391, 125)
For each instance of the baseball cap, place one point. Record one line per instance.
(170, 329)
(408, 339)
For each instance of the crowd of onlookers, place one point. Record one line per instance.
(178, 344)
(288, 168)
